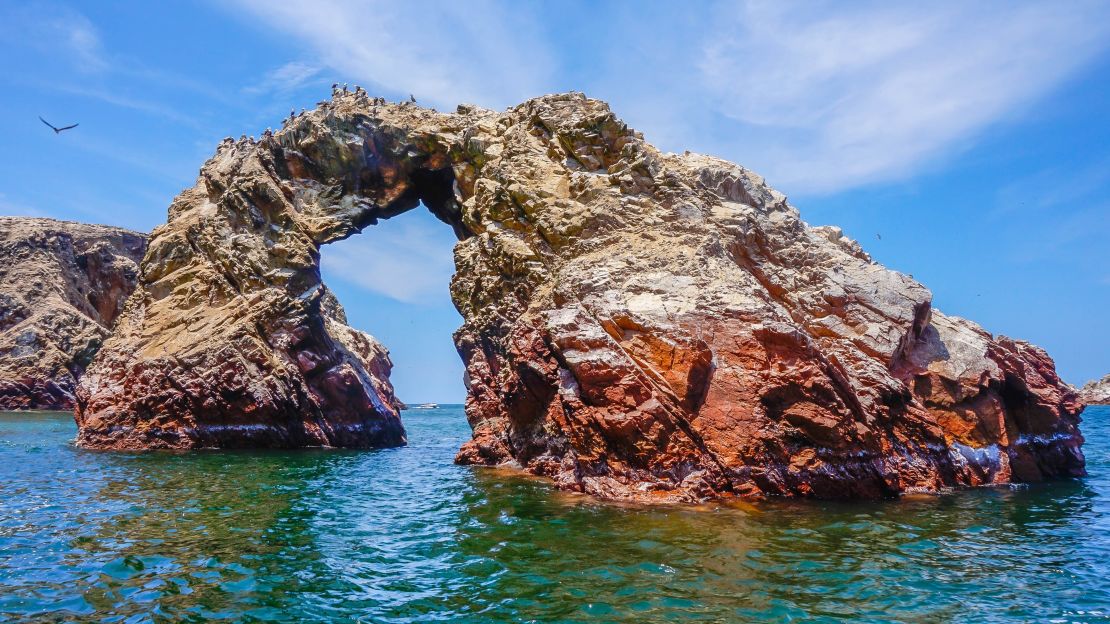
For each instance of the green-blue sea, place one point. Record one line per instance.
(403, 535)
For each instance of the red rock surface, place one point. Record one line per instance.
(637, 325)
(62, 285)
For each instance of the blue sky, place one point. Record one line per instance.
(973, 137)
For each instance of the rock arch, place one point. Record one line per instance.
(636, 324)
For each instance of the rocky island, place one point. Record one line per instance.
(62, 285)
(1096, 391)
(637, 324)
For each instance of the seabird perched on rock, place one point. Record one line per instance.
(344, 87)
(412, 98)
(301, 113)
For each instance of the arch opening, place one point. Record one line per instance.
(436, 190)
(393, 280)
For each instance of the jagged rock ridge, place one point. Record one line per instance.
(1096, 391)
(62, 285)
(637, 324)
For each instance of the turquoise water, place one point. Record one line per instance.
(403, 535)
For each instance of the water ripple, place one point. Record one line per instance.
(403, 535)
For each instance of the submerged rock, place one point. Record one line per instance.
(62, 285)
(637, 325)
(1096, 391)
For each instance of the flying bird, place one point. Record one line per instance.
(55, 129)
(879, 236)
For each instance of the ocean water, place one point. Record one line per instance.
(403, 535)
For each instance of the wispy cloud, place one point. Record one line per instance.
(85, 68)
(444, 53)
(288, 77)
(136, 156)
(1068, 204)
(9, 208)
(410, 260)
(1053, 188)
(82, 39)
(864, 93)
(57, 29)
(119, 98)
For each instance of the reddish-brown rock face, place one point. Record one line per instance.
(637, 325)
(62, 285)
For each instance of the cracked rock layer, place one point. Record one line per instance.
(637, 325)
(62, 285)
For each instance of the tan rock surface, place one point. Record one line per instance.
(638, 325)
(1096, 391)
(62, 285)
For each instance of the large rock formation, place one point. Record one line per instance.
(1096, 391)
(62, 285)
(637, 324)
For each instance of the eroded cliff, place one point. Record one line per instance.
(637, 324)
(62, 285)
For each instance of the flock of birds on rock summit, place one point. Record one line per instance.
(337, 90)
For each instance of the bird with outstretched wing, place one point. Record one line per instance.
(56, 129)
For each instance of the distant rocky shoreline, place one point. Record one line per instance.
(1096, 391)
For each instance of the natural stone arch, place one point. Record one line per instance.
(636, 324)
(232, 339)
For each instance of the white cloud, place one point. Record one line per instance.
(60, 34)
(846, 95)
(286, 78)
(444, 53)
(78, 35)
(405, 258)
(84, 41)
(56, 29)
